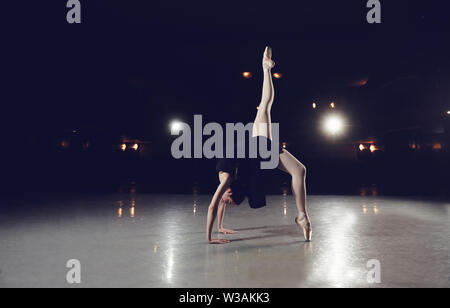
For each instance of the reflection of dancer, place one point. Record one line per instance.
(232, 190)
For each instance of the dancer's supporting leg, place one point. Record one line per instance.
(262, 125)
(297, 170)
(225, 182)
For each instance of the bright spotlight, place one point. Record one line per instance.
(247, 75)
(278, 75)
(334, 125)
(176, 126)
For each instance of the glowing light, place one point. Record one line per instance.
(332, 105)
(284, 145)
(334, 125)
(448, 112)
(364, 209)
(247, 75)
(123, 147)
(363, 82)
(136, 147)
(362, 147)
(132, 212)
(374, 148)
(119, 213)
(176, 127)
(278, 75)
(65, 144)
(437, 146)
(314, 105)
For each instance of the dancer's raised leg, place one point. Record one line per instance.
(297, 170)
(262, 125)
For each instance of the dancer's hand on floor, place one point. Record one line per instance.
(218, 241)
(227, 231)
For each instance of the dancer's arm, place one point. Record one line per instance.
(225, 181)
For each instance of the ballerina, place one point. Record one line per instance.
(233, 189)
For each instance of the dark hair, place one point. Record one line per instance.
(238, 191)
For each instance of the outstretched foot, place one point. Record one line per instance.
(303, 222)
(268, 63)
(217, 241)
(227, 231)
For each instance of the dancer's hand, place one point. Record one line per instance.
(227, 231)
(227, 196)
(218, 241)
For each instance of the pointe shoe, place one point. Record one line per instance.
(268, 63)
(306, 227)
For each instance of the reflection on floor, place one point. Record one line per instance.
(159, 241)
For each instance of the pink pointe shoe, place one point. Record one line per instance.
(268, 63)
(306, 226)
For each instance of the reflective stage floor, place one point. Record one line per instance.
(159, 241)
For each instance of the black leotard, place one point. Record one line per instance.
(249, 174)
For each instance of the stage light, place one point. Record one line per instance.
(123, 147)
(437, 146)
(284, 145)
(334, 125)
(374, 148)
(176, 126)
(448, 112)
(314, 105)
(136, 147)
(362, 147)
(332, 105)
(247, 75)
(65, 144)
(278, 75)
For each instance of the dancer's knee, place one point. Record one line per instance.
(299, 171)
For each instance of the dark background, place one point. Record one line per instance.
(72, 94)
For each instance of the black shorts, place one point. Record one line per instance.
(248, 172)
